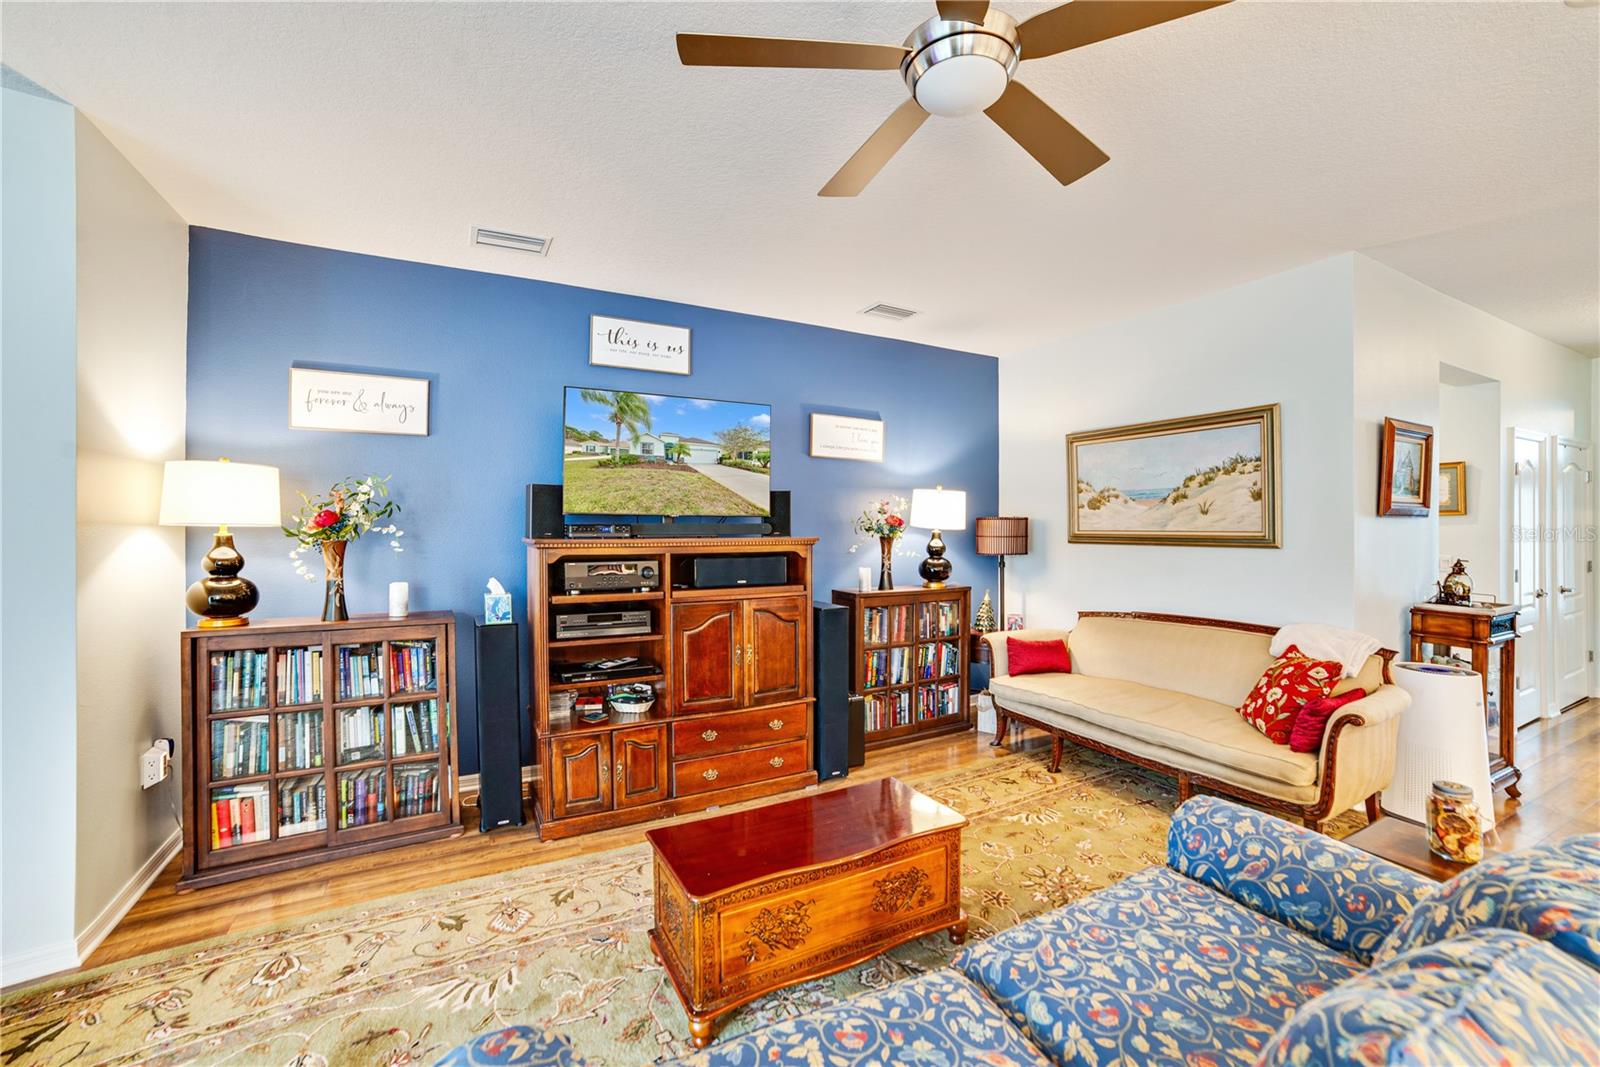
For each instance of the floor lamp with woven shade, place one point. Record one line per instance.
(1002, 535)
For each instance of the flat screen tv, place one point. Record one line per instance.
(648, 454)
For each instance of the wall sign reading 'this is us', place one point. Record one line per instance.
(638, 345)
(357, 403)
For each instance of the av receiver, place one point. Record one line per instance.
(601, 624)
(611, 576)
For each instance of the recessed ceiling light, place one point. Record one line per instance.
(888, 311)
(539, 246)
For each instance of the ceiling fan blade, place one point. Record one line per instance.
(869, 159)
(1082, 22)
(963, 10)
(728, 50)
(1047, 137)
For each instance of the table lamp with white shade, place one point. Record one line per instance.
(937, 509)
(221, 494)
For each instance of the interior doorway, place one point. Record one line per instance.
(1572, 561)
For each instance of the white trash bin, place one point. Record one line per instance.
(1442, 736)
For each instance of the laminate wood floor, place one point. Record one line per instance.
(1560, 761)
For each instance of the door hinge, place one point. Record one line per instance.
(1588, 566)
(1591, 655)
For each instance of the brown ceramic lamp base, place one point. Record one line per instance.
(222, 598)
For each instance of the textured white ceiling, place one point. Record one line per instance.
(1243, 140)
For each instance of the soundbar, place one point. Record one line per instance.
(701, 529)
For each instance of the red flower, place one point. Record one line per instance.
(895, 521)
(324, 518)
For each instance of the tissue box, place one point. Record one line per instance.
(497, 607)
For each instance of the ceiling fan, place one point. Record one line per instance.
(959, 62)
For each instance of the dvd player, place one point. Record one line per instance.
(602, 670)
(601, 624)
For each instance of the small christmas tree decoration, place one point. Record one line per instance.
(985, 623)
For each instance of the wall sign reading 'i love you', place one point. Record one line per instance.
(357, 403)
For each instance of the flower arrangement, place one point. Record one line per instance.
(884, 518)
(353, 507)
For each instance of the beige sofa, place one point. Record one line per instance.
(1160, 691)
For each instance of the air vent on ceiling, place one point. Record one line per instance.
(889, 311)
(539, 246)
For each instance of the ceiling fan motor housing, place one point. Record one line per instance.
(959, 68)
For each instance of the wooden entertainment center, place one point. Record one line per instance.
(733, 709)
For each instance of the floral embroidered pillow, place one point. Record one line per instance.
(1293, 679)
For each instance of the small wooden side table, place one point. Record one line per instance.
(977, 647)
(1405, 844)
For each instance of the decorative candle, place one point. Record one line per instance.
(399, 599)
(864, 579)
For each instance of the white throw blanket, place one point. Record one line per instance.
(1320, 641)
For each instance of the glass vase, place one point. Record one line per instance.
(333, 608)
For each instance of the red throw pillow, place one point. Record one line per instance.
(1284, 688)
(1037, 657)
(1306, 733)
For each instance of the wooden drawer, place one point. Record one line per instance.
(738, 768)
(716, 734)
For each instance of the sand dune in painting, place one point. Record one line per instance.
(1221, 499)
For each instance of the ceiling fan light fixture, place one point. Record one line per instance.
(958, 68)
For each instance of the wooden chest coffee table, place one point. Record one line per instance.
(757, 900)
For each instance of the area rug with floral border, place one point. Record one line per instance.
(560, 945)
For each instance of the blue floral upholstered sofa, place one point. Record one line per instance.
(1259, 942)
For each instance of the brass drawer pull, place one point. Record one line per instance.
(709, 774)
(708, 735)
(776, 724)
(776, 761)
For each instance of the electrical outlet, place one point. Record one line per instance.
(155, 763)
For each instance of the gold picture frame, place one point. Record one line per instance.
(1453, 487)
(1213, 480)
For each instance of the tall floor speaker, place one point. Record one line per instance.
(831, 659)
(499, 726)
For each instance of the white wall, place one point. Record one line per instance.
(1469, 430)
(133, 255)
(1284, 339)
(1403, 332)
(38, 734)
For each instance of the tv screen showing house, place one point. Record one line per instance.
(651, 454)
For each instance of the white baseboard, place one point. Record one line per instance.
(89, 937)
(22, 967)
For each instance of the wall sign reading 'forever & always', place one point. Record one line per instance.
(357, 403)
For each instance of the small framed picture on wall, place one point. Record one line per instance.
(1453, 488)
(1013, 620)
(1405, 468)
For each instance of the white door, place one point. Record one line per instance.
(1572, 561)
(1528, 590)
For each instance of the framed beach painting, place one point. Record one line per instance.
(1203, 480)
(1405, 462)
(1453, 487)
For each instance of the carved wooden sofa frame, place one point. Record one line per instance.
(1311, 815)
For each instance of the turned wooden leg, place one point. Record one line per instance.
(1001, 726)
(654, 948)
(701, 1029)
(1512, 791)
(1055, 754)
(1312, 823)
(1185, 790)
(1374, 808)
(958, 932)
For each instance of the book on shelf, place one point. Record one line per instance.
(938, 701)
(361, 733)
(888, 710)
(300, 676)
(240, 815)
(941, 618)
(300, 740)
(938, 659)
(302, 806)
(239, 748)
(361, 798)
(411, 666)
(417, 790)
(360, 672)
(416, 728)
(238, 679)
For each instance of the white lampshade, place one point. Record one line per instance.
(219, 493)
(939, 509)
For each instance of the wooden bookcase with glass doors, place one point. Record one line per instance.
(305, 740)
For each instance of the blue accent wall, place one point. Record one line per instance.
(498, 352)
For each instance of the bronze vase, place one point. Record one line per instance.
(333, 609)
(886, 563)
